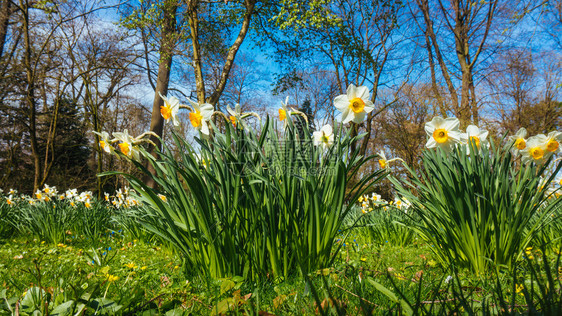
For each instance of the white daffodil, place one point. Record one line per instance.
(105, 142)
(519, 142)
(376, 197)
(10, 200)
(383, 162)
(200, 116)
(50, 191)
(474, 135)
(126, 145)
(355, 104)
(552, 141)
(234, 114)
(170, 109)
(536, 150)
(442, 133)
(70, 194)
(284, 110)
(324, 137)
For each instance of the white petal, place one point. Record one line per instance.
(207, 111)
(174, 102)
(327, 130)
(451, 124)
(521, 133)
(341, 102)
(363, 93)
(454, 136)
(431, 143)
(351, 91)
(194, 105)
(432, 125)
(472, 130)
(369, 106)
(317, 138)
(347, 116)
(204, 128)
(230, 111)
(359, 117)
(483, 135)
(555, 135)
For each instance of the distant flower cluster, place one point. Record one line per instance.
(369, 203)
(50, 194)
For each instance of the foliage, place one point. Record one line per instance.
(478, 210)
(253, 206)
(47, 221)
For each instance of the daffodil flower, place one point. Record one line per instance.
(383, 162)
(519, 142)
(475, 136)
(126, 145)
(284, 110)
(105, 142)
(71, 193)
(552, 141)
(200, 116)
(235, 114)
(355, 105)
(536, 150)
(324, 137)
(442, 133)
(170, 109)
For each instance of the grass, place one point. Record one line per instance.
(148, 277)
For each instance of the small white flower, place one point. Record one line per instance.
(376, 197)
(126, 145)
(442, 133)
(70, 194)
(105, 142)
(519, 142)
(200, 116)
(474, 135)
(235, 114)
(355, 105)
(383, 162)
(324, 137)
(170, 109)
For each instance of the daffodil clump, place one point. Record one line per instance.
(479, 203)
(259, 201)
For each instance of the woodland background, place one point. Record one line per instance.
(68, 68)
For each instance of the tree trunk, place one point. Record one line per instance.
(424, 7)
(167, 43)
(30, 96)
(197, 63)
(4, 20)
